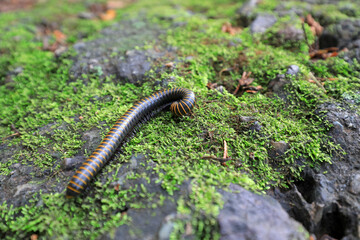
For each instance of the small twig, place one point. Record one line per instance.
(222, 160)
(224, 70)
(306, 37)
(17, 133)
(225, 150)
(14, 129)
(313, 78)
(12, 135)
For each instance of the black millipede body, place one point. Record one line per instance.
(182, 101)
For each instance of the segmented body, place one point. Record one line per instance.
(182, 101)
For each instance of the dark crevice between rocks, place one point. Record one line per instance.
(307, 188)
(327, 41)
(333, 223)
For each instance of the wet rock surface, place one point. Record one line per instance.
(329, 195)
(328, 200)
(246, 215)
(344, 35)
(147, 222)
(262, 23)
(113, 54)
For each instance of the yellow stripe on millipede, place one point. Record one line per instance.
(115, 128)
(96, 158)
(87, 170)
(79, 172)
(115, 133)
(79, 179)
(72, 182)
(178, 109)
(88, 164)
(186, 105)
(104, 146)
(118, 125)
(106, 138)
(92, 155)
(94, 161)
(189, 101)
(99, 149)
(107, 145)
(182, 108)
(73, 189)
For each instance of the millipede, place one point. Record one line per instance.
(181, 102)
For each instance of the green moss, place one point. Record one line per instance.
(52, 114)
(341, 80)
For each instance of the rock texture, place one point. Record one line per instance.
(250, 216)
(327, 202)
(113, 54)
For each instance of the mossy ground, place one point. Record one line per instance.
(42, 94)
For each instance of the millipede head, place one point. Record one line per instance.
(179, 108)
(185, 105)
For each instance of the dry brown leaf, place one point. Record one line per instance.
(244, 81)
(316, 28)
(228, 28)
(169, 65)
(59, 36)
(251, 91)
(108, 15)
(324, 53)
(34, 237)
(210, 85)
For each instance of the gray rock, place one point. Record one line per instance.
(246, 215)
(134, 66)
(288, 37)
(245, 14)
(92, 139)
(277, 86)
(355, 184)
(72, 163)
(79, 46)
(329, 194)
(147, 222)
(280, 147)
(262, 23)
(246, 119)
(27, 187)
(256, 127)
(341, 34)
(86, 15)
(248, 6)
(293, 70)
(113, 54)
